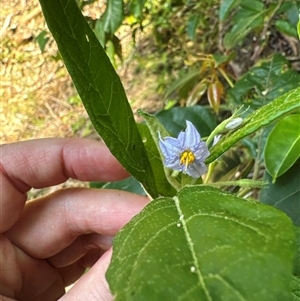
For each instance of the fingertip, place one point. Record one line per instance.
(92, 286)
(90, 160)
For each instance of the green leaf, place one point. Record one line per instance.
(193, 25)
(296, 267)
(256, 120)
(263, 83)
(291, 10)
(220, 59)
(99, 32)
(113, 16)
(163, 186)
(286, 28)
(283, 146)
(296, 288)
(225, 7)
(205, 245)
(298, 27)
(99, 87)
(184, 81)
(136, 8)
(130, 184)
(285, 193)
(174, 120)
(255, 5)
(42, 39)
(247, 20)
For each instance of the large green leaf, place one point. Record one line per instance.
(113, 16)
(283, 146)
(285, 193)
(99, 87)
(256, 120)
(174, 120)
(204, 245)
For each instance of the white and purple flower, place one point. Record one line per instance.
(185, 153)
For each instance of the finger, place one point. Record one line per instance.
(92, 286)
(71, 273)
(25, 278)
(47, 162)
(67, 214)
(79, 248)
(3, 298)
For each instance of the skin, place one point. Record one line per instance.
(47, 243)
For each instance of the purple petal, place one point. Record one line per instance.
(173, 164)
(201, 151)
(190, 137)
(196, 169)
(169, 147)
(173, 148)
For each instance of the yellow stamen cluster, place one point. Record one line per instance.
(186, 158)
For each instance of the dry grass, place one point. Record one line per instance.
(35, 88)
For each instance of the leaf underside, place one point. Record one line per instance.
(99, 87)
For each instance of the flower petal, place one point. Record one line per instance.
(196, 169)
(169, 147)
(188, 143)
(201, 152)
(190, 137)
(173, 164)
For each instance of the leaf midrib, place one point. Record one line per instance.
(191, 248)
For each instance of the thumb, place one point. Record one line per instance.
(92, 286)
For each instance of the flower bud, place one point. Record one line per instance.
(234, 123)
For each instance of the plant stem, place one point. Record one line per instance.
(226, 77)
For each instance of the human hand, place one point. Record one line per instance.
(46, 244)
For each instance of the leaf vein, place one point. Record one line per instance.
(191, 247)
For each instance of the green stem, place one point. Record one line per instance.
(242, 183)
(210, 171)
(226, 77)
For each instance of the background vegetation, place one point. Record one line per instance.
(230, 67)
(163, 45)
